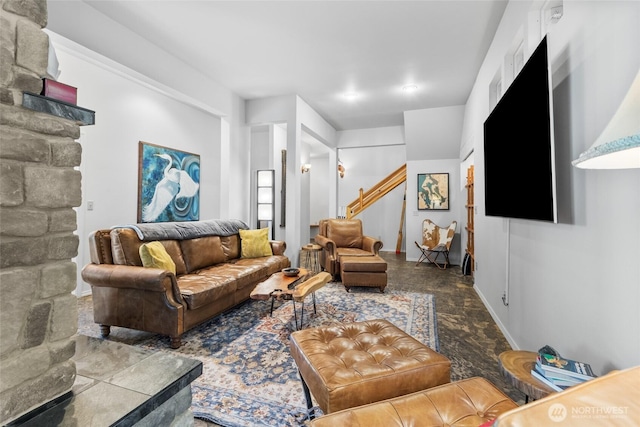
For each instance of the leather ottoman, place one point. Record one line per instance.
(368, 271)
(352, 364)
(469, 402)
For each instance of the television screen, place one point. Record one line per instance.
(519, 158)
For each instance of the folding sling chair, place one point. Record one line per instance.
(436, 242)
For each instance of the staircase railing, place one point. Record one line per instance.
(378, 191)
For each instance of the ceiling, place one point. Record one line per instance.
(319, 50)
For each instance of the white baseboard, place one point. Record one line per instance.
(496, 319)
(84, 293)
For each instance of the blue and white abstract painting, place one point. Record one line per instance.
(168, 184)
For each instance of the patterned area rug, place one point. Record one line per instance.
(249, 378)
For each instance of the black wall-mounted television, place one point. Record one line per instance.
(519, 151)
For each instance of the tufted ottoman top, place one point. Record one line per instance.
(468, 402)
(351, 364)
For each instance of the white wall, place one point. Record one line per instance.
(370, 155)
(234, 160)
(389, 135)
(129, 111)
(365, 167)
(261, 159)
(319, 189)
(443, 218)
(298, 116)
(573, 285)
(432, 139)
(152, 61)
(433, 133)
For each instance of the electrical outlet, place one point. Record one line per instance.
(475, 265)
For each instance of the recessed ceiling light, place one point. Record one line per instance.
(350, 95)
(410, 88)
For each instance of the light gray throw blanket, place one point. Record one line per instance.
(186, 229)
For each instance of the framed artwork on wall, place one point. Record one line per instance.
(433, 191)
(168, 184)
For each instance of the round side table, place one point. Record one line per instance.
(516, 366)
(311, 255)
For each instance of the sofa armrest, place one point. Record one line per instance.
(328, 254)
(278, 247)
(133, 277)
(371, 245)
(327, 244)
(612, 399)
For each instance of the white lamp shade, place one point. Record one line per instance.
(618, 147)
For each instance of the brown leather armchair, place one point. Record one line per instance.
(343, 237)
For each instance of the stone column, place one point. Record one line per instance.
(39, 187)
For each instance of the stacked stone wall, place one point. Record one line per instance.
(39, 188)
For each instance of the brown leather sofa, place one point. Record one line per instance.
(343, 237)
(610, 400)
(211, 276)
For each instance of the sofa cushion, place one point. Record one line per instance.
(202, 252)
(199, 288)
(345, 233)
(175, 252)
(154, 255)
(257, 269)
(231, 246)
(206, 286)
(125, 247)
(255, 243)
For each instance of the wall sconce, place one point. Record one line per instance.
(341, 169)
(618, 147)
(306, 167)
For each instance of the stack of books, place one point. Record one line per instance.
(560, 373)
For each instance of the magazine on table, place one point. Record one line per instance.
(544, 380)
(557, 366)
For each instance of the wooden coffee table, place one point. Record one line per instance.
(278, 287)
(516, 366)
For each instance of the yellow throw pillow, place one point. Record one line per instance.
(154, 255)
(255, 243)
